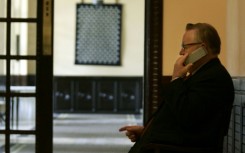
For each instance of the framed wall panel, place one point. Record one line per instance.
(98, 34)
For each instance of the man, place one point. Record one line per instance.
(197, 106)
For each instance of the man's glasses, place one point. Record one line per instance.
(185, 46)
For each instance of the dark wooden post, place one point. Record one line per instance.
(153, 55)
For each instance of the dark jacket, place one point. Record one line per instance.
(196, 112)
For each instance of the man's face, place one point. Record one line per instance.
(189, 42)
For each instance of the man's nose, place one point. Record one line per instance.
(182, 51)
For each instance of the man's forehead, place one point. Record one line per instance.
(189, 35)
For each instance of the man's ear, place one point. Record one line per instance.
(206, 47)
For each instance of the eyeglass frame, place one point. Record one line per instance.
(184, 46)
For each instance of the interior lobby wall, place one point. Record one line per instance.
(177, 13)
(236, 37)
(132, 41)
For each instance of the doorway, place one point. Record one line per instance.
(86, 92)
(26, 75)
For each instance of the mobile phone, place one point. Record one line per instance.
(196, 55)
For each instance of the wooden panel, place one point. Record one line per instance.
(84, 96)
(153, 54)
(129, 97)
(63, 95)
(106, 95)
(97, 94)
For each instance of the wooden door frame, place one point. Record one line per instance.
(44, 77)
(44, 80)
(153, 56)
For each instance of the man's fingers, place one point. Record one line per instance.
(127, 128)
(188, 66)
(123, 128)
(128, 134)
(131, 136)
(132, 132)
(183, 58)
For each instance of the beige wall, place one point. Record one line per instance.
(236, 37)
(132, 50)
(177, 13)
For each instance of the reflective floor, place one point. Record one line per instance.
(92, 133)
(85, 133)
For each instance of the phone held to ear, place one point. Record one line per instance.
(196, 55)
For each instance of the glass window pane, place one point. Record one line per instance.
(2, 113)
(23, 113)
(23, 39)
(22, 143)
(23, 73)
(2, 38)
(3, 8)
(2, 75)
(2, 143)
(24, 8)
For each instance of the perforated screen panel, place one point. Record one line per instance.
(98, 34)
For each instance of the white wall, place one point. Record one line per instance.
(132, 50)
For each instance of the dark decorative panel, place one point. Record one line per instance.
(63, 95)
(106, 95)
(97, 94)
(84, 95)
(128, 95)
(98, 34)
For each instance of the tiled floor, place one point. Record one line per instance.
(85, 133)
(94, 133)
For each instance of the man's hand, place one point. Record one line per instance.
(180, 70)
(132, 132)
